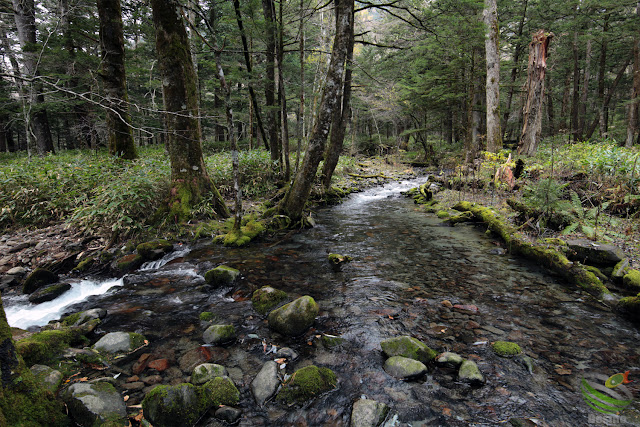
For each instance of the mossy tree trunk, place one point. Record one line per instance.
(340, 119)
(188, 172)
(293, 203)
(532, 127)
(115, 80)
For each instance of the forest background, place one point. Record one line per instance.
(229, 95)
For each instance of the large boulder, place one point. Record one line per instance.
(407, 347)
(266, 383)
(96, 404)
(294, 318)
(219, 334)
(593, 253)
(307, 383)
(404, 368)
(154, 250)
(267, 297)
(119, 342)
(38, 278)
(221, 276)
(49, 293)
(184, 404)
(368, 413)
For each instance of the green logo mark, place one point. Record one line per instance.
(607, 395)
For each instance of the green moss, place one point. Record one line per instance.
(85, 264)
(506, 348)
(221, 391)
(221, 276)
(442, 214)
(555, 241)
(129, 262)
(596, 271)
(409, 347)
(207, 316)
(307, 383)
(44, 346)
(71, 319)
(265, 298)
(339, 259)
(136, 340)
(244, 235)
(631, 280)
(330, 341)
(148, 249)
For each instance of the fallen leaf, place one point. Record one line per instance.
(280, 361)
(562, 370)
(446, 412)
(125, 398)
(309, 343)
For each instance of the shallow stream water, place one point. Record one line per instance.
(405, 264)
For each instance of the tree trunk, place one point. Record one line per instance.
(24, 15)
(491, 43)
(514, 71)
(270, 82)
(300, 116)
(582, 110)
(474, 107)
(114, 77)
(247, 60)
(340, 119)
(575, 112)
(188, 173)
(282, 96)
(632, 126)
(537, 69)
(293, 203)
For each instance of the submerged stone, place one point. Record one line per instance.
(404, 368)
(294, 318)
(506, 348)
(408, 347)
(221, 276)
(368, 413)
(267, 297)
(307, 383)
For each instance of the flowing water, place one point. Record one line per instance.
(405, 264)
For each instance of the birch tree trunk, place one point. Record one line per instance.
(294, 201)
(492, 54)
(188, 173)
(114, 77)
(532, 126)
(36, 114)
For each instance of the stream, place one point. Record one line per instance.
(405, 265)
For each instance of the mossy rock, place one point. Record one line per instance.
(38, 278)
(43, 347)
(48, 377)
(294, 318)
(267, 297)
(631, 280)
(597, 272)
(120, 342)
(219, 334)
(49, 293)
(469, 372)
(154, 250)
(206, 372)
(85, 264)
(337, 259)
(331, 341)
(307, 383)
(129, 263)
(442, 214)
(96, 404)
(404, 368)
(184, 404)
(506, 348)
(207, 316)
(221, 276)
(407, 347)
(620, 270)
(630, 307)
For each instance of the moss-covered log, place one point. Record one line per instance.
(551, 258)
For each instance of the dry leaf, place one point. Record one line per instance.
(280, 361)
(125, 398)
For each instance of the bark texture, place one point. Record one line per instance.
(293, 203)
(188, 173)
(114, 78)
(24, 15)
(492, 54)
(270, 82)
(532, 126)
(632, 126)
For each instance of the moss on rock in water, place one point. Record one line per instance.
(307, 383)
(442, 214)
(631, 280)
(221, 276)
(129, 262)
(339, 259)
(267, 297)
(630, 307)
(221, 391)
(408, 347)
(244, 235)
(44, 346)
(506, 348)
(154, 249)
(207, 316)
(85, 264)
